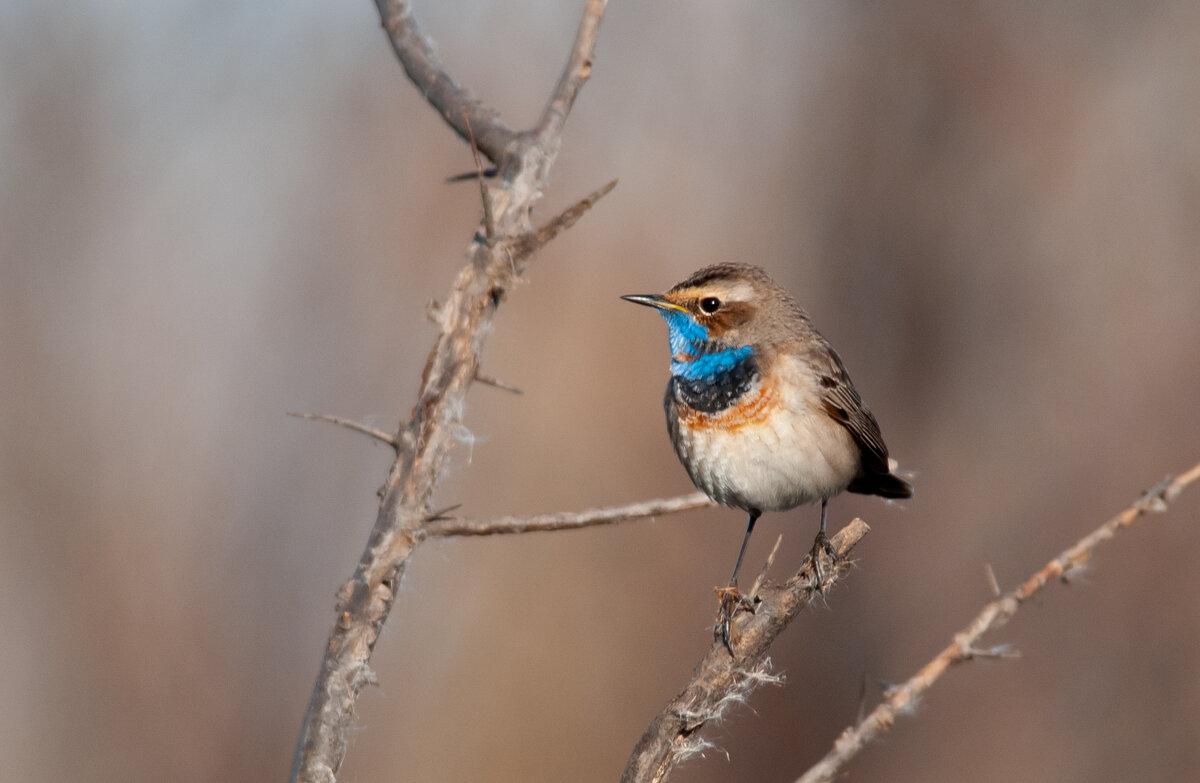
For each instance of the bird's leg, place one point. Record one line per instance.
(821, 546)
(754, 515)
(731, 598)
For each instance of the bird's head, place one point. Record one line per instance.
(718, 317)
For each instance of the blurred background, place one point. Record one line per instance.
(213, 213)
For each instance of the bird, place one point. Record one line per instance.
(760, 408)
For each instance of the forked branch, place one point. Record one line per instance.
(425, 440)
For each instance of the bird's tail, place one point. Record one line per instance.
(886, 485)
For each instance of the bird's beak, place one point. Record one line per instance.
(656, 301)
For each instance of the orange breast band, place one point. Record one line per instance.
(750, 409)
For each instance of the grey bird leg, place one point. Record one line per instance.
(821, 546)
(730, 597)
(754, 515)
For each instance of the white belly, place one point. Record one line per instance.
(773, 452)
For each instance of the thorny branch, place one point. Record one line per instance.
(900, 700)
(726, 677)
(424, 441)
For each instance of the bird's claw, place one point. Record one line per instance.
(821, 548)
(732, 601)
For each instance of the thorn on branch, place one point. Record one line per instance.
(443, 513)
(992, 583)
(377, 434)
(489, 173)
(1154, 501)
(999, 651)
(1074, 571)
(489, 222)
(762, 576)
(434, 313)
(862, 699)
(488, 380)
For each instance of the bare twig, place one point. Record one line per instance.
(566, 520)
(529, 242)
(723, 679)
(578, 69)
(377, 434)
(902, 698)
(424, 442)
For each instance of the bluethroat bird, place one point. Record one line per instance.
(760, 409)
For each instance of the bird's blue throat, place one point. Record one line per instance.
(706, 374)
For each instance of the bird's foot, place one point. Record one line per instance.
(732, 601)
(821, 548)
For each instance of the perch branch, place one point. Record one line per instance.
(425, 440)
(566, 520)
(901, 699)
(724, 678)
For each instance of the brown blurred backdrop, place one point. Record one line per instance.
(213, 213)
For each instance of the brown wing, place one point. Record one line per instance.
(842, 402)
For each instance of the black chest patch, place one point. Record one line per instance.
(714, 393)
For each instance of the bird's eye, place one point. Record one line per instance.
(709, 304)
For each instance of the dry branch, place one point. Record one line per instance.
(727, 676)
(902, 698)
(424, 441)
(565, 520)
(456, 105)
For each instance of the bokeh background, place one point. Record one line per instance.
(212, 213)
